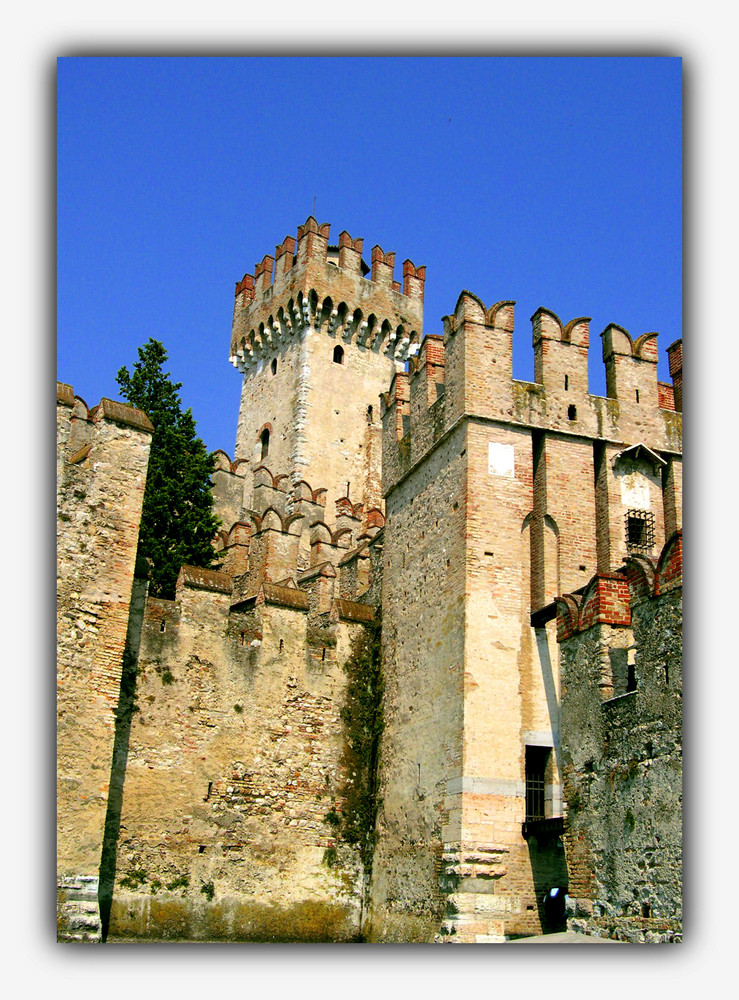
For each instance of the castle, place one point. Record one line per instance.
(509, 554)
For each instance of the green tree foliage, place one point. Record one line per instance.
(177, 521)
(363, 718)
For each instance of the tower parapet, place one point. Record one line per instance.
(314, 284)
(317, 335)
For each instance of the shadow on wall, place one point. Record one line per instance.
(550, 689)
(123, 716)
(549, 870)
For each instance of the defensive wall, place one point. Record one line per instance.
(102, 458)
(240, 690)
(621, 643)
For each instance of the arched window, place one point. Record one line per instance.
(273, 366)
(264, 438)
(339, 354)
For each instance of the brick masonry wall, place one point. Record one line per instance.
(423, 664)
(100, 491)
(510, 699)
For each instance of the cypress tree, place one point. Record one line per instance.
(177, 520)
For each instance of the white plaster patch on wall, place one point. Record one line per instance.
(635, 490)
(538, 737)
(500, 459)
(486, 786)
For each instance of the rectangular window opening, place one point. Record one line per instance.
(537, 759)
(639, 530)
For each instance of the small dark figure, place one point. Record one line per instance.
(554, 908)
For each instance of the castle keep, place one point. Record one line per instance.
(512, 549)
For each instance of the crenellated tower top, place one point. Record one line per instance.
(331, 288)
(317, 335)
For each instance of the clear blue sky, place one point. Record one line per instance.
(552, 181)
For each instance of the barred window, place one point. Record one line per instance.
(536, 767)
(639, 530)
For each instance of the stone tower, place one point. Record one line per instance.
(318, 335)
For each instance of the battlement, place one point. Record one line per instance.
(285, 533)
(469, 372)
(609, 597)
(307, 283)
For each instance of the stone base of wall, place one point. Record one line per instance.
(584, 917)
(78, 910)
(166, 917)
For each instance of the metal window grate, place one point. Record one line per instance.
(536, 765)
(639, 530)
(534, 796)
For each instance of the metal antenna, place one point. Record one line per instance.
(314, 206)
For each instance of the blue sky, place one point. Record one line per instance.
(552, 181)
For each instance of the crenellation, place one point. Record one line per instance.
(382, 266)
(263, 274)
(631, 367)
(675, 359)
(477, 379)
(414, 279)
(284, 257)
(350, 253)
(561, 357)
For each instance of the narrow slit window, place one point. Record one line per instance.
(567, 382)
(273, 366)
(264, 438)
(631, 671)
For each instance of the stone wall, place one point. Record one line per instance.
(424, 679)
(102, 459)
(622, 754)
(235, 775)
